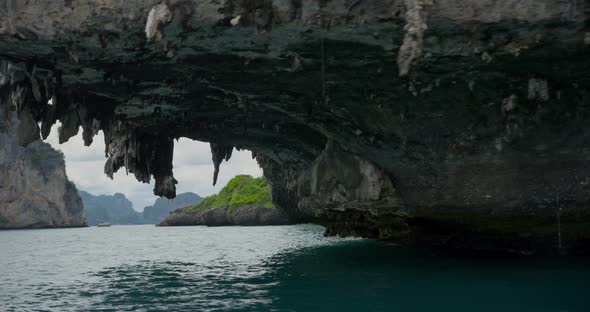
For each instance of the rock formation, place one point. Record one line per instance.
(117, 209)
(243, 201)
(163, 207)
(114, 209)
(467, 121)
(244, 215)
(34, 189)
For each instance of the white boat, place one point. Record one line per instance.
(103, 224)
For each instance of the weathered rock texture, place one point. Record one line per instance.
(34, 189)
(470, 116)
(244, 215)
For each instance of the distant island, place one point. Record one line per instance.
(117, 209)
(163, 207)
(243, 201)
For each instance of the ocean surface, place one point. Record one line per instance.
(284, 268)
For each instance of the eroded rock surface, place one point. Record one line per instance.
(481, 143)
(244, 215)
(34, 189)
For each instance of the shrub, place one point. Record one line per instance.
(240, 191)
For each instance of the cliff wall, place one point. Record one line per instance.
(34, 189)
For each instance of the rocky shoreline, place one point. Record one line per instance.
(243, 216)
(243, 201)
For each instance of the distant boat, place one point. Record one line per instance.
(103, 224)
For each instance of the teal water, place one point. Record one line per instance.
(286, 268)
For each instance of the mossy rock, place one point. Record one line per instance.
(242, 190)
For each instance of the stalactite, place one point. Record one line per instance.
(143, 155)
(159, 14)
(416, 25)
(161, 167)
(70, 125)
(219, 152)
(48, 122)
(14, 95)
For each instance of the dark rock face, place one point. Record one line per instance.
(243, 215)
(469, 117)
(339, 181)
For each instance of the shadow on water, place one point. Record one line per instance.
(368, 276)
(348, 276)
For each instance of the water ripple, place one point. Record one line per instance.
(267, 269)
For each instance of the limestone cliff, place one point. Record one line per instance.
(461, 123)
(34, 189)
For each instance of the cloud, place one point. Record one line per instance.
(192, 168)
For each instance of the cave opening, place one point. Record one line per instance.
(192, 166)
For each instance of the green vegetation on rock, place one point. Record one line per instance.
(240, 191)
(244, 201)
(3, 220)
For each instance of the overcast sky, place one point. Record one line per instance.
(193, 169)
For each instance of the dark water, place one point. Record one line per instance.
(289, 268)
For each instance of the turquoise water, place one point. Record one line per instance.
(286, 268)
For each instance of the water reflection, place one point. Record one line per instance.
(368, 276)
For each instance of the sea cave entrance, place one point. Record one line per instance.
(126, 197)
